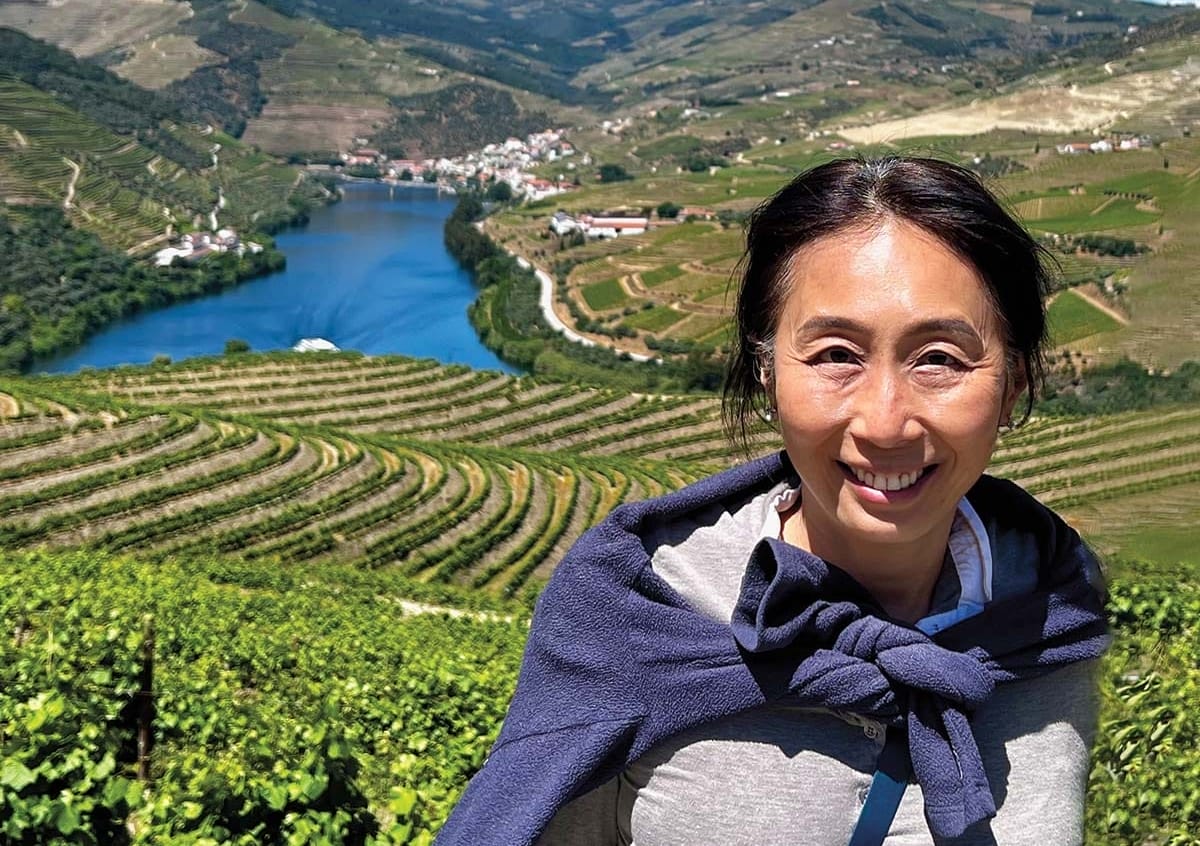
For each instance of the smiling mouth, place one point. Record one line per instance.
(887, 482)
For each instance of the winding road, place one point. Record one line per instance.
(546, 301)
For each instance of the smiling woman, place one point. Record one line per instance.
(860, 639)
(890, 380)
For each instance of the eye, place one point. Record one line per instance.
(939, 358)
(836, 355)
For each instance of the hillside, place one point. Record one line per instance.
(309, 77)
(447, 474)
(286, 85)
(321, 552)
(1121, 223)
(96, 174)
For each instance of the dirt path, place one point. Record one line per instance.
(21, 139)
(69, 200)
(143, 246)
(9, 407)
(410, 607)
(1099, 303)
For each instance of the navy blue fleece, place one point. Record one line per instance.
(617, 661)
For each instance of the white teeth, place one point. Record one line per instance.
(887, 482)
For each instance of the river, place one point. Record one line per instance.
(369, 273)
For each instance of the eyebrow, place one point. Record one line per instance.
(936, 325)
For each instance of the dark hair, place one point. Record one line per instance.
(944, 199)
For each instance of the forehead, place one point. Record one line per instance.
(887, 274)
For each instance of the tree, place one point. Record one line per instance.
(668, 210)
(234, 346)
(501, 192)
(614, 173)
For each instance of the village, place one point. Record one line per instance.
(508, 162)
(193, 247)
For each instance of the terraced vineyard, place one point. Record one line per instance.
(444, 474)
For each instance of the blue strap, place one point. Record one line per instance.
(887, 788)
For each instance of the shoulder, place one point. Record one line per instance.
(624, 540)
(1029, 542)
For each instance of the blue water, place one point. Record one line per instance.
(369, 273)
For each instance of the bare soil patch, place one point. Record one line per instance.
(88, 27)
(312, 126)
(9, 407)
(157, 62)
(1050, 109)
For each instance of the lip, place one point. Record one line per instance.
(878, 497)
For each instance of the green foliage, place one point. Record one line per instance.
(97, 93)
(456, 120)
(654, 319)
(605, 294)
(295, 707)
(668, 210)
(61, 284)
(500, 192)
(1145, 781)
(614, 173)
(1107, 245)
(236, 346)
(656, 277)
(1123, 386)
(288, 708)
(1071, 317)
(227, 94)
(463, 241)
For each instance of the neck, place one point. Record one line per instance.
(900, 576)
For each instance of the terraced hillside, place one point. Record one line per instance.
(445, 474)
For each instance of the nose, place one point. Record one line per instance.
(883, 411)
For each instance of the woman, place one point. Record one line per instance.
(862, 636)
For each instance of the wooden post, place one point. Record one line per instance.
(145, 735)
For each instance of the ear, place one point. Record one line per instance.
(765, 375)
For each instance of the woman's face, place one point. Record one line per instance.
(890, 379)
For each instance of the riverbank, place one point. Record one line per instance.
(369, 273)
(546, 303)
(514, 317)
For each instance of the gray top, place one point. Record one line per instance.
(795, 776)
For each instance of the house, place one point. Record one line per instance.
(561, 223)
(1074, 148)
(538, 189)
(612, 227)
(697, 211)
